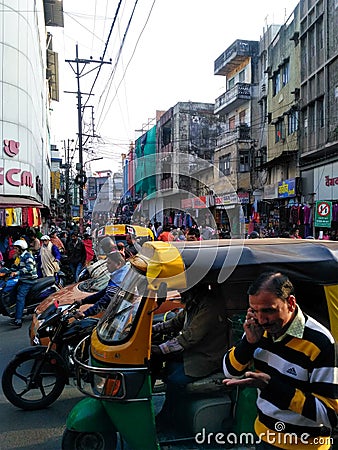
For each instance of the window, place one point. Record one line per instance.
(224, 164)
(231, 83)
(320, 34)
(244, 161)
(279, 131)
(285, 69)
(276, 83)
(292, 122)
(232, 122)
(320, 113)
(241, 76)
(311, 118)
(242, 117)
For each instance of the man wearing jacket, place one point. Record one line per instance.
(76, 253)
(202, 333)
(118, 269)
(27, 274)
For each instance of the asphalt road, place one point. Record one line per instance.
(30, 430)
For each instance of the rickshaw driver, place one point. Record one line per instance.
(296, 368)
(198, 349)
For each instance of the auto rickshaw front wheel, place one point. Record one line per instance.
(79, 440)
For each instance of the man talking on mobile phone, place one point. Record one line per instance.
(295, 368)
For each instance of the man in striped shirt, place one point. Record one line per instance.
(294, 368)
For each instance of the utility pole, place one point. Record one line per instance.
(68, 208)
(81, 177)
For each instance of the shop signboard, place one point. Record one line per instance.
(244, 197)
(287, 188)
(323, 214)
(326, 181)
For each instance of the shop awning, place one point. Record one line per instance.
(19, 202)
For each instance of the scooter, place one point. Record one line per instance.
(41, 289)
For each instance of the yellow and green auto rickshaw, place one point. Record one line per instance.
(116, 376)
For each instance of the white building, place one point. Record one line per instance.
(28, 83)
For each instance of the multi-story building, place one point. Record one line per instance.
(28, 83)
(238, 108)
(278, 172)
(186, 137)
(319, 107)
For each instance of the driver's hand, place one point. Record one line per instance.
(158, 327)
(155, 350)
(13, 274)
(78, 303)
(79, 315)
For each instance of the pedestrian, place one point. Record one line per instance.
(130, 249)
(49, 258)
(34, 243)
(57, 241)
(64, 239)
(193, 234)
(76, 253)
(88, 243)
(118, 269)
(295, 368)
(166, 235)
(121, 248)
(27, 274)
(294, 234)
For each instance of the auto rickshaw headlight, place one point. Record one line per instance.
(109, 385)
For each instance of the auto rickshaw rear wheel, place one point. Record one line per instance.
(77, 440)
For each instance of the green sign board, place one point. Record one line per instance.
(323, 214)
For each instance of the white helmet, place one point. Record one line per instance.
(45, 238)
(21, 243)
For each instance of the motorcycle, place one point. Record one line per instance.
(40, 290)
(37, 375)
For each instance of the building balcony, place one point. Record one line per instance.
(239, 133)
(234, 56)
(167, 183)
(233, 98)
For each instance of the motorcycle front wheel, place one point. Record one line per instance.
(34, 380)
(77, 440)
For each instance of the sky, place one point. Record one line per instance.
(161, 52)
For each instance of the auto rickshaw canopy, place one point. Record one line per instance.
(311, 265)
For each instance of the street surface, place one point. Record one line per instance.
(43, 429)
(30, 430)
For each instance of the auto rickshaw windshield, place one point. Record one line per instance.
(117, 323)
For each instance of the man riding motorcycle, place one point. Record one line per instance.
(27, 273)
(117, 268)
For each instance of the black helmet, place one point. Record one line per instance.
(254, 235)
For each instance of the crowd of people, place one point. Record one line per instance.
(29, 255)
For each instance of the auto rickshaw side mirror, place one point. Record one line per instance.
(161, 296)
(162, 293)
